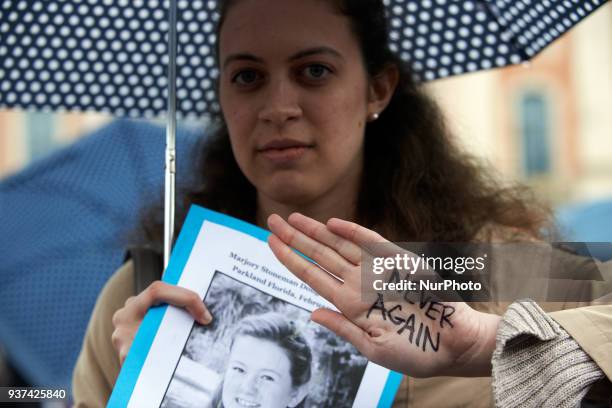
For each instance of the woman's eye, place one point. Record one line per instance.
(237, 369)
(246, 77)
(316, 71)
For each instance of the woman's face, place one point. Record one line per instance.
(258, 376)
(294, 94)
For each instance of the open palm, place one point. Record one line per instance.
(422, 338)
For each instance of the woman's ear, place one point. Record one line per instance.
(381, 89)
(298, 395)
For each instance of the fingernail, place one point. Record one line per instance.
(206, 318)
(272, 219)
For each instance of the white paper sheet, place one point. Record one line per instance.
(179, 363)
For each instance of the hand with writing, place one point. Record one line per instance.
(422, 338)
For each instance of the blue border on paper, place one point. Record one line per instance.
(148, 329)
(391, 386)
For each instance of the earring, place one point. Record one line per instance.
(373, 117)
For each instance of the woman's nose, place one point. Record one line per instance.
(281, 103)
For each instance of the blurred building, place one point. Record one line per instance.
(28, 136)
(548, 123)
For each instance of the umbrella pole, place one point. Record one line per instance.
(170, 171)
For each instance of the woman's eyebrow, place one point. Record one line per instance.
(315, 51)
(301, 54)
(241, 57)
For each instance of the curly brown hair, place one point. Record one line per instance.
(417, 184)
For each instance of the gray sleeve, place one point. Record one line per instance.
(536, 363)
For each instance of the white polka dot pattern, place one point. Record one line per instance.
(111, 55)
(449, 37)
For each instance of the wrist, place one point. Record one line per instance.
(486, 346)
(476, 361)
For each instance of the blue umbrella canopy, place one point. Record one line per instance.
(66, 222)
(589, 222)
(112, 55)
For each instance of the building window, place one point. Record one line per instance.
(40, 129)
(534, 122)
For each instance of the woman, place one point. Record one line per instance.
(318, 116)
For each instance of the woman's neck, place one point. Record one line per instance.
(341, 203)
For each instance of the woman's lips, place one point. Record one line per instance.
(284, 151)
(286, 155)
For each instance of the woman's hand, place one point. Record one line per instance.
(420, 339)
(127, 319)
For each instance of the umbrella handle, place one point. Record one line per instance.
(170, 171)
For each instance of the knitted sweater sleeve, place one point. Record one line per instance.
(536, 363)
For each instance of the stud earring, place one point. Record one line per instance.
(373, 117)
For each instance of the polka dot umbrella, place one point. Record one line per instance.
(113, 55)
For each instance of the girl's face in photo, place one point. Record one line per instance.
(258, 376)
(294, 94)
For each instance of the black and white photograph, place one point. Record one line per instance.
(262, 352)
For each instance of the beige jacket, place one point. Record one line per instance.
(98, 366)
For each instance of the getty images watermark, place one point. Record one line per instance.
(540, 271)
(406, 265)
